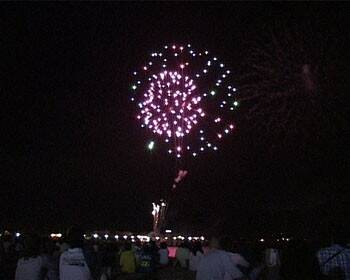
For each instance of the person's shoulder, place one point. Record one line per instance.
(328, 250)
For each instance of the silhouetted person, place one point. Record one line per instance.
(31, 266)
(74, 262)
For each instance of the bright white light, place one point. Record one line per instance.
(202, 238)
(116, 236)
(106, 236)
(125, 236)
(262, 240)
(95, 235)
(221, 65)
(194, 154)
(168, 231)
(150, 145)
(235, 103)
(18, 234)
(212, 92)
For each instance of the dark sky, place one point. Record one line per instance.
(72, 152)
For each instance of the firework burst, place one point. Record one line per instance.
(185, 98)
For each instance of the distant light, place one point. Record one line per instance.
(125, 236)
(150, 145)
(174, 237)
(145, 68)
(168, 231)
(236, 103)
(202, 238)
(212, 92)
(134, 87)
(221, 65)
(262, 240)
(18, 234)
(116, 236)
(106, 236)
(215, 148)
(194, 154)
(95, 235)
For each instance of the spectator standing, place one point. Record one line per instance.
(273, 263)
(196, 255)
(217, 264)
(182, 255)
(31, 266)
(127, 260)
(163, 254)
(334, 261)
(74, 261)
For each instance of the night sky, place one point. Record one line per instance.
(72, 152)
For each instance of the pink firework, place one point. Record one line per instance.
(184, 97)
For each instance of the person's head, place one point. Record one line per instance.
(153, 244)
(75, 237)
(146, 248)
(340, 236)
(214, 243)
(127, 246)
(197, 247)
(31, 246)
(163, 245)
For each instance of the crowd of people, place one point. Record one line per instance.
(75, 258)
